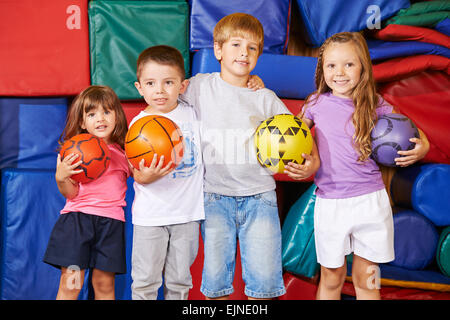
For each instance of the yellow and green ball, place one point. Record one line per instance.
(281, 139)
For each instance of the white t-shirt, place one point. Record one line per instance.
(229, 116)
(178, 196)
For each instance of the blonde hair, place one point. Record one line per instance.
(364, 95)
(91, 98)
(240, 25)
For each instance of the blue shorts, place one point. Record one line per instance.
(254, 221)
(87, 241)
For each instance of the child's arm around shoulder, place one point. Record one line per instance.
(64, 169)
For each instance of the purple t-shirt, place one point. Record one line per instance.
(340, 174)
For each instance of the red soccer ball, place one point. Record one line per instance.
(94, 153)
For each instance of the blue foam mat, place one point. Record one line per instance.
(29, 131)
(380, 50)
(322, 19)
(413, 252)
(288, 76)
(274, 16)
(30, 205)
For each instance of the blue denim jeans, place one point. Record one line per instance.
(254, 221)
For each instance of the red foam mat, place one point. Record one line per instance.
(45, 47)
(425, 99)
(298, 288)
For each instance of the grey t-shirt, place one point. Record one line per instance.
(229, 116)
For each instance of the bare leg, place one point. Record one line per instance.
(331, 282)
(227, 297)
(366, 276)
(70, 284)
(103, 284)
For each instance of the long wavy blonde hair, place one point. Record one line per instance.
(364, 95)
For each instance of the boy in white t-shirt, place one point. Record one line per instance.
(166, 221)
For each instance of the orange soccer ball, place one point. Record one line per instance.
(94, 153)
(154, 134)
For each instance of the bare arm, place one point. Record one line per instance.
(417, 153)
(308, 168)
(64, 169)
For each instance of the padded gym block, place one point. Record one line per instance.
(424, 98)
(322, 19)
(29, 131)
(425, 188)
(428, 279)
(30, 206)
(404, 67)
(298, 245)
(288, 76)
(397, 32)
(411, 252)
(424, 13)
(393, 292)
(46, 49)
(443, 27)
(274, 16)
(443, 252)
(298, 288)
(121, 30)
(132, 108)
(380, 50)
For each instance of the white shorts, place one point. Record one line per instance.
(361, 224)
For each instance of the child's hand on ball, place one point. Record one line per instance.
(153, 172)
(411, 156)
(66, 168)
(301, 171)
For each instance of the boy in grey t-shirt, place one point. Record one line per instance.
(240, 199)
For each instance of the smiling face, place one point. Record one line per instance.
(341, 68)
(160, 85)
(100, 122)
(238, 57)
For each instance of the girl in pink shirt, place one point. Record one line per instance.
(90, 230)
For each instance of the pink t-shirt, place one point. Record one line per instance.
(104, 196)
(340, 174)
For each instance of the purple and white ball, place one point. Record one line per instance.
(390, 135)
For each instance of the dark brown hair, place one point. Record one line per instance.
(91, 98)
(161, 54)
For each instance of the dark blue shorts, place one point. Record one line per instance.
(87, 241)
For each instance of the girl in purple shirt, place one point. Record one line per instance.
(352, 210)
